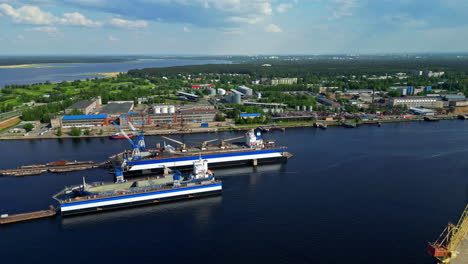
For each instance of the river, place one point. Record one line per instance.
(58, 72)
(365, 195)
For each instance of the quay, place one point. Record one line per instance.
(54, 167)
(10, 219)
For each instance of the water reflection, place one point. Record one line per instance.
(201, 207)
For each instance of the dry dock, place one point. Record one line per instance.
(10, 219)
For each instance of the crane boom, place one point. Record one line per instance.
(123, 133)
(173, 140)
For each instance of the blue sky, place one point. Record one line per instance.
(232, 26)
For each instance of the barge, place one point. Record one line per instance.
(96, 197)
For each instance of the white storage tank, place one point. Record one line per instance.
(221, 91)
(157, 109)
(171, 109)
(211, 92)
(164, 109)
(237, 99)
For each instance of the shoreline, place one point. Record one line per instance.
(215, 129)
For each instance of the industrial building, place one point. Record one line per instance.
(80, 121)
(86, 107)
(413, 101)
(328, 102)
(246, 116)
(245, 90)
(277, 81)
(117, 108)
(422, 111)
(411, 90)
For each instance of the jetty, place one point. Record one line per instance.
(15, 218)
(54, 167)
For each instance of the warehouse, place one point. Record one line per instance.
(82, 121)
(115, 109)
(411, 101)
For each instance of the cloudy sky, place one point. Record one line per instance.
(232, 26)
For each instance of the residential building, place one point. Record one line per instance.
(277, 81)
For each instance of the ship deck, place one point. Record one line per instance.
(123, 192)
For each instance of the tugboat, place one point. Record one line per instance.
(349, 124)
(96, 197)
(430, 119)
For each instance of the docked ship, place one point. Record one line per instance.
(95, 197)
(253, 150)
(120, 136)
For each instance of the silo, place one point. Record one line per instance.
(164, 109)
(171, 109)
(221, 91)
(310, 108)
(211, 92)
(304, 108)
(157, 109)
(237, 99)
(298, 108)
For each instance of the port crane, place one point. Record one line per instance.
(445, 247)
(204, 143)
(140, 135)
(136, 155)
(223, 141)
(182, 144)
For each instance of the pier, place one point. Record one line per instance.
(10, 219)
(54, 167)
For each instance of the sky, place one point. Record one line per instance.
(232, 27)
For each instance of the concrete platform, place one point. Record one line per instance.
(462, 257)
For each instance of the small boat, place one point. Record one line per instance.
(461, 117)
(119, 136)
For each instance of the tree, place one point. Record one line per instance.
(59, 132)
(87, 132)
(220, 117)
(75, 131)
(28, 127)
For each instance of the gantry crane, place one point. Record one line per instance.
(136, 149)
(445, 247)
(140, 135)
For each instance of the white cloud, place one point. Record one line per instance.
(283, 7)
(186, 29)
(244, 20)
(342, 8)
(27, 15)
(112, 38)
(47, 29)
(77, 19)
(122, 23)
(273, 28)
(33, 15)
(20, 37)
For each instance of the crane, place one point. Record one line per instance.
(182, 144)
(223, 141)
(204, 143)
(140, 135)
(136, 150)
(445, 247)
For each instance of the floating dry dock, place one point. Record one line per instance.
(56, 167)
(10, 219)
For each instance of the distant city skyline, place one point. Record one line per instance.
(224, 27)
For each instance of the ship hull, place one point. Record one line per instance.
(215, 160)
(155, 197)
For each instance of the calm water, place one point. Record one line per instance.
(73, 71)
(365, 195)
